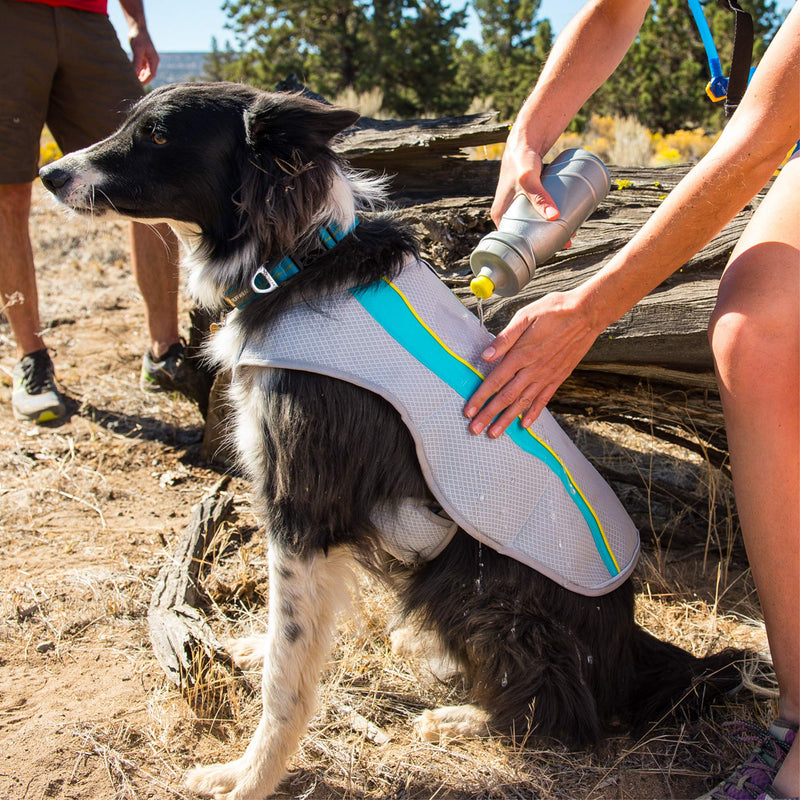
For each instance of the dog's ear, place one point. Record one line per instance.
(275, 120)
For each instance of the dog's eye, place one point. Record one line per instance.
(158, 137)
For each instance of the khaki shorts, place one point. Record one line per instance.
(62, 67)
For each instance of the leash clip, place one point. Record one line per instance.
(259, 287)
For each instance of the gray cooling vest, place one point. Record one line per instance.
(529, 494)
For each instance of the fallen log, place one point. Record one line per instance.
(178, 630)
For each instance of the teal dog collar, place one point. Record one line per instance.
(267, 279)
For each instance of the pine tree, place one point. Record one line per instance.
(514, 48)
(217, 64)
(406, 48)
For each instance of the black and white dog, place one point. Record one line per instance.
(246, 177)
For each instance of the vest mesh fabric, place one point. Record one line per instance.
(572, 529)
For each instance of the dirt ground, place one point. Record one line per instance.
(91, 509)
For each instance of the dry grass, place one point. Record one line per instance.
(368, 104)
(93, 508)
(623, 141)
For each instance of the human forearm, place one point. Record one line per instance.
(686, 221)
(735, 170)
(588, 50)
(133, 11)
(145, 57)
(584, 55)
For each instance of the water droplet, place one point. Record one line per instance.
(479, 579)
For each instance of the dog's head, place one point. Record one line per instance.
(243, 176)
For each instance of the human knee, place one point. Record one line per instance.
(753, 331)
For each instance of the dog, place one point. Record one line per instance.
(246, 177)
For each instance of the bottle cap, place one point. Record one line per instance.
(482, 287)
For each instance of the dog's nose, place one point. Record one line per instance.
(53, 177)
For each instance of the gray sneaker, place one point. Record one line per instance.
(35, 396)
(170, 373)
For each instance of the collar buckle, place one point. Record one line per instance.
(266, 280)
(262, 282)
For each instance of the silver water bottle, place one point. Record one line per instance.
(505, 260)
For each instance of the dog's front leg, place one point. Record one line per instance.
(304, 597)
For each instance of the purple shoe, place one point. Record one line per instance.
(753, 779)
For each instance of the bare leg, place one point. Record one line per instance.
(755, 336)
(17, 275)
(155, 255)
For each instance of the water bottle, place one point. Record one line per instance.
(505, 260)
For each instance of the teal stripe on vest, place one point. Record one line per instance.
(390, 310)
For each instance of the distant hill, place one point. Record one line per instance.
(174, 67)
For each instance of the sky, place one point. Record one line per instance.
(187, 26)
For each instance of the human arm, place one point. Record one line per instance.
(588, 50)
(546, 340)
(145, 56)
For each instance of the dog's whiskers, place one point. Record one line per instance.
(108, 200)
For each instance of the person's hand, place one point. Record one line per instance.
(521, 173)
(534, 354)
(145, 56)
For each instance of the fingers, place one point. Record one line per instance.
(541, 200)
(146, 69)
(520, 173)
(525, 409)
(520, 398)
(509, 390)
(145, 57)
(506, 339)
(517, 397)
(506, 370)
(144, 74)
(538, 405)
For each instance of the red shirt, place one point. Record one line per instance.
(99, 6)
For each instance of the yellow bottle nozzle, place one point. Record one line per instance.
(482, 287)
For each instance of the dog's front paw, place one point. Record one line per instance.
(452, 722)
(248, 652)
(231, 781)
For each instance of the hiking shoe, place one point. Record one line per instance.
(34, 396)
(753, 779)
(170, 373)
